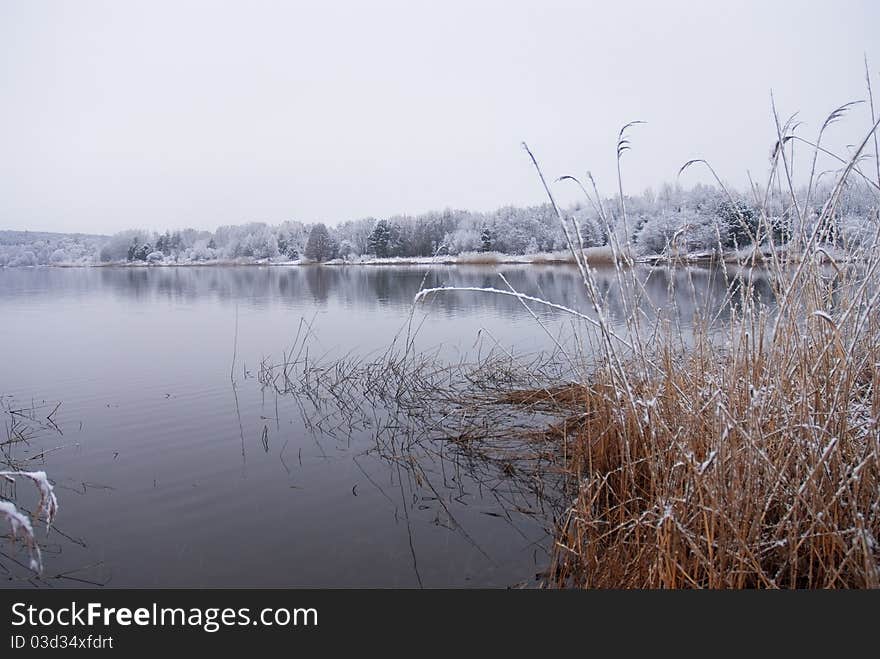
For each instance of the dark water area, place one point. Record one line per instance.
(167, 475)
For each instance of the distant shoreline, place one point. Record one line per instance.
(595, 256)
(549, 258)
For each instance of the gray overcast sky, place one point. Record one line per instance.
(170, 114)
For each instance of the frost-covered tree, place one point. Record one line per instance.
(116, 247)
(591, 230)
(486, 240)
(383, 241)
(858, 231)
(319, 246)
(357, 233)
(142, 251)
(741, 223)
(346, 249)
(780, 227)
(24, 259)
(463, 240)
(163, 243)
(681, 231)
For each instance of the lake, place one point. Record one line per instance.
(169, 475)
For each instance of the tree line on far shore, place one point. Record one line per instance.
(697, 219)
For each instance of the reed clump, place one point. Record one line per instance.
(479, 258)
(751, 468)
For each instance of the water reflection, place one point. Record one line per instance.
(151, 469)
(690, 289)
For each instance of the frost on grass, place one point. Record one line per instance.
(20, 525)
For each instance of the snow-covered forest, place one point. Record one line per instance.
(24, 248)
(699, 219)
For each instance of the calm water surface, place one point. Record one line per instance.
(167, 476)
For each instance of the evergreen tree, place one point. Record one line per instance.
(741, 220)
(380, 239)
(319, 246)
(142, 251)
(781, 227)
(486, 240)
